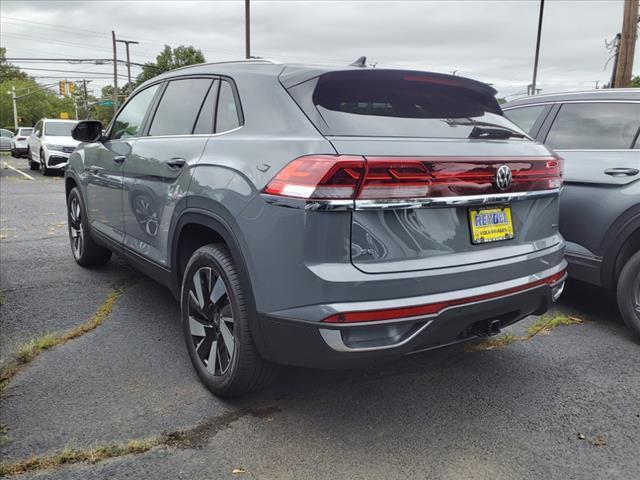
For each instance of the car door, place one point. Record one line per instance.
(104, 163)
(157, 172)
(596, 140)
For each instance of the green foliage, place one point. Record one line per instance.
(8, 71)
(169, 59)
(635, 81)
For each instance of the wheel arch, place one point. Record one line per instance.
(621, 242)
(196, 228)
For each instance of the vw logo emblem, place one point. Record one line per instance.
(503, 177)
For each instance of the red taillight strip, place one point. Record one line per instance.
(378, 178)
(434, 308)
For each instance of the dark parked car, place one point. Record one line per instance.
(597, 134)
(321, 217)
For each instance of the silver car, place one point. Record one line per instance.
(5, 139)
(596, 133)
(327, 217)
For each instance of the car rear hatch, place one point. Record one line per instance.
(438, 177)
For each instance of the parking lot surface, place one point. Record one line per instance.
(563, 405)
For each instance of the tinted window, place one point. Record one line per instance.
(129, 121)
(228, 117)
(208, 111)
(179, 107)
(525, 117)
(595, 126)
(403, 104)
(26, 131)
(59, 129)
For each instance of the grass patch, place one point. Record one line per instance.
(544, 325)
(30, 350)
(70, 456)
(500, 341)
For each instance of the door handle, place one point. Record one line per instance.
(619, 172)
(119, 158)
(176, 163)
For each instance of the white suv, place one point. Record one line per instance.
(19, 141)
(50, 144)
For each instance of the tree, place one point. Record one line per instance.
(169, 59)
(8, 71)
(635, 81)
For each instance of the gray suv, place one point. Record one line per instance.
(596, 133)
(320, 217)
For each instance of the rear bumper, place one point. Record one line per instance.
(333, 345)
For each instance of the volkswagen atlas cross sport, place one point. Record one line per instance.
(50, 144)
(323, 217)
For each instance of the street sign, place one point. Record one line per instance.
(64, 115)
(106, 103)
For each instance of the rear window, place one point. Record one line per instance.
(26, 131)
(403, 104)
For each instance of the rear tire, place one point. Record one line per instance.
(85, 251)
(215, 322)
(32, 165)
(628, 291)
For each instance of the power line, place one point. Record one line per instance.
(67, 71)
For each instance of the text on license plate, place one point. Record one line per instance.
(490, 224)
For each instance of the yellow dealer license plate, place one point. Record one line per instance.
(490, 224)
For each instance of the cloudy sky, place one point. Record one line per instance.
(492, 41)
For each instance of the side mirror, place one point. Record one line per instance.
(89, 131)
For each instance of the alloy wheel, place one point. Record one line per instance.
(75, 227)
(211, 322)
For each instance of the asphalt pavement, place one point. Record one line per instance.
(565, 405)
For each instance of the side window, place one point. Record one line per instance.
(179, 107)
(595, 126)
(207, 114)
(525, 117)
(129, 122)
(228, 116)
(38, 128)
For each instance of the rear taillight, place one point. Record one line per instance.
(379, 178)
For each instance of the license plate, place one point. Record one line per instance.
(490, 224)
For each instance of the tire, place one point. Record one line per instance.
(218, 330)
(32, 165)
(13, 153)
(628, 291)
(85, 251)
(43, 165)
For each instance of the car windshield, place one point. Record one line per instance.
(59, 129)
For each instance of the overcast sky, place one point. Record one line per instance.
(489, 41)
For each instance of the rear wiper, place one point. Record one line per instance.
(488, 130)
(497, 132)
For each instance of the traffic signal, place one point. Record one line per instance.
(71, 87)
(62, 87)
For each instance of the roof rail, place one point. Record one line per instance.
(248, 60)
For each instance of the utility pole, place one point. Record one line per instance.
(86, 99)
(127, 43)
(247, 34)
(115, 73)
(15, 108)
(535, 63)
(627, 44)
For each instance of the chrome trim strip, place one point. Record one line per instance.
(453, 201)
(308, 204)
(337, 308)
(434, 202)
(333, 338)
